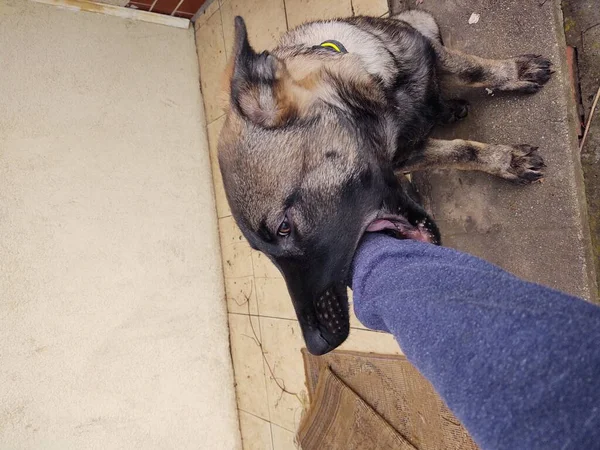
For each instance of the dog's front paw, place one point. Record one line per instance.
(526, 165)
(533, 72)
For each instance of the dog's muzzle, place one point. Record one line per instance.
(328, 324)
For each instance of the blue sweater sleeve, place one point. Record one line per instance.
(517, 363)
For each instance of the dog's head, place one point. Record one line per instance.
(304, 165)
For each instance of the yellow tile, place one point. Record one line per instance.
(273, 298)
(241, 295)
(235, 250)
(282, 341)
(248, 365)
(212, 60)
(283, 439)
(300, 11)
(375, 8)
(214, 129)
(256, 433)
(265, 20)
(263, 267)
(371, 342)
(212, 8)
(230, 233)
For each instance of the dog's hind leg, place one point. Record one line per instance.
(518, 163)
(525, 73)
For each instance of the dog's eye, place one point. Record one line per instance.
(285, 228)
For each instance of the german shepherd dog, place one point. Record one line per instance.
(320, 130)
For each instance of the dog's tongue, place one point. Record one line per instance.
(402, 227)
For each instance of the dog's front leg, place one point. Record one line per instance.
(525, 73)
(518, 163)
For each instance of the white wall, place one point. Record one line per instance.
(112, 321)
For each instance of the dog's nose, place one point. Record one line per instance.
(316, 343)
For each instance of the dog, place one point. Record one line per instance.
(320, 130)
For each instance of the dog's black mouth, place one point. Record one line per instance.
(328, 325)
(402, 228)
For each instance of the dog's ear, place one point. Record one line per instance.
(259, 86)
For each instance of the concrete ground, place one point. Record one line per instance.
(539, 232)
(582, 30)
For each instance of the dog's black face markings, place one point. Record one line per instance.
(315, 257)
